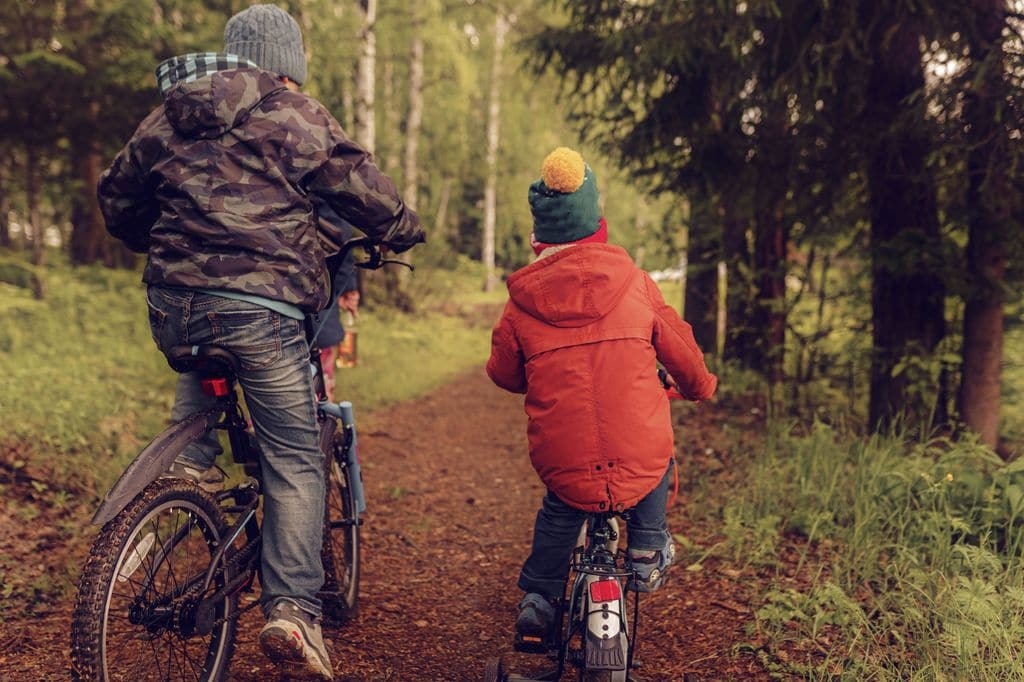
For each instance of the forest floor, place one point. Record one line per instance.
(452, 498)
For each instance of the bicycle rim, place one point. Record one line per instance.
(340, 553)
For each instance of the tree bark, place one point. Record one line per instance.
(493, 120)
(363, 120)
(988, 196)
(88, 242)
(740, 338)
(907, 293)
(5, 208)
(415, 121)
(392, 120)
(770, 242)
(701, 295)
(441, 219)
(34, 219)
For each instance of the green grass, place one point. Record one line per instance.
(83, 387)
(910, 556)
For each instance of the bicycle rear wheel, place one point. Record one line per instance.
(135, 615)
(340, 554)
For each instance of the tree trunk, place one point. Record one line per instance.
(363, 120)
(907, 293)
(5, 208)
(770, 241)
(988, 211)
(392, 120)
(34, 219)
(88, 242)
(740, 341)
(347, 105)
(441, 219)
(414, 122)
(640, 228)
(493, 119)
(701, 296)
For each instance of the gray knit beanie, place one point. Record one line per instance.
(269, 37)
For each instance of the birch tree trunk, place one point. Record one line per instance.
(392, 119)
(364, 129)
(415, 120)
(493, 116)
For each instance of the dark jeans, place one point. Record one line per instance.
(275, 377)
(558, 526)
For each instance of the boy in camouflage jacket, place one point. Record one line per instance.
(219, 186)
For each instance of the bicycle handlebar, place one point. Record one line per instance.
(374, 250)
(671, 388)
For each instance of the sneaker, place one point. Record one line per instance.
(292, 640)
(211, 480)
(650, 566)
(536, 616)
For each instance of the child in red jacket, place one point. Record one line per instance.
(580, 336)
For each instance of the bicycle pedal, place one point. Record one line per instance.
(531, 644)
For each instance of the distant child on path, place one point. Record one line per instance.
(580, 336)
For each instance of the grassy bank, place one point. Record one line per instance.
(82, 385)
(907, 557)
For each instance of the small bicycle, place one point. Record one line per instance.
(158, 597)
(599, 640)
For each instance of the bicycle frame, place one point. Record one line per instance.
(606, 640)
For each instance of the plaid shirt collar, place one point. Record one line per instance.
(191, 67)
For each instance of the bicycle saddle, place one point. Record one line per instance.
(207, 359)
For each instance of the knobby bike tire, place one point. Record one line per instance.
(112, 568)
(340, 553)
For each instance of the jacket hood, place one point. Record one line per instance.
(208, 94)
(574, 287)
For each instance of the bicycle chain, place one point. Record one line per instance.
(196, 593)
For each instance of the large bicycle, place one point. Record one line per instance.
(159, 594)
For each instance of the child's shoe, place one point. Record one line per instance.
(536, 616)
(650, 566)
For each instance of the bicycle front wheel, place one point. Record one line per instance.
(137, 612)
(340, 554)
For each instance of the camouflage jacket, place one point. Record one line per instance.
(220, 186)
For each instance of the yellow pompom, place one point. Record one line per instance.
(563, 170)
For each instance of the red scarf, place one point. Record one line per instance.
(601, 236)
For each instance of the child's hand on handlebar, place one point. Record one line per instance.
(671, 385)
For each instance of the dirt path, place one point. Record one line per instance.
(452, 499)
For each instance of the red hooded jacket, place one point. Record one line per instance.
(579, 336)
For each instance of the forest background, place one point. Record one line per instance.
(836, 186)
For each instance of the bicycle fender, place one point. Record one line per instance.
(154, 460)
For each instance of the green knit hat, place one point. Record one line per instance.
(564, 202)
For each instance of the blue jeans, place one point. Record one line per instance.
(275, 377)
(558, 526)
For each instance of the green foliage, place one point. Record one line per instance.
(924, 570)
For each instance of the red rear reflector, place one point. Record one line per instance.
(218, 388)
(605, 590)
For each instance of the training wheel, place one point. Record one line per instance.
(494, 671)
